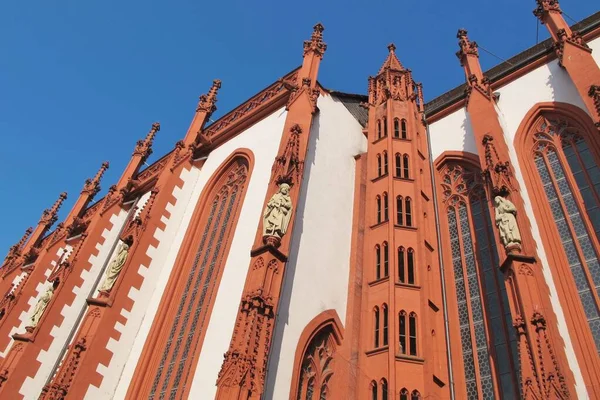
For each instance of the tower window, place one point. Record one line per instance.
(398, 166)
(408, 212)
(405, 168)
(378, 201)
(385, 163)
(385, 127)
(385, 325)
(401, 263)
(412, 331)
(399, 213)
(378, 165)
(410, 262)
(396, 128)
(378, 129)
(386, 270)
(377, 262)
(402, 332)
(385, 207)
(376, 326)
(403, 127)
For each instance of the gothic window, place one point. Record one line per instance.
(385, 207)
(403, 124)
(408, 211)
(566, 161)
(405, 168)
(373, 390)
(377, 262)
(385, 324)
(376, 326)
(378, 129)
(396, 128)
(317, 367)
(385, 127)
(401, 265)
(378, 201)
(415, 395)
(385, 163)
(203, 267)
(379, 165)
(412, 334)
(482, 303)
(386, 259)
(398, 166)
(402, 331)
(399, 213)
(410, 266)
(384, 389)
(403, 394)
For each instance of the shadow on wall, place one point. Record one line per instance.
(468, 143)
(561, 86)
(290, 271)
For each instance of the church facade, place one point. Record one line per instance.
(312, 244)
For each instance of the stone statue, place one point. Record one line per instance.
(114, 268)
(506, 222)
(278, 213)
(41, 305)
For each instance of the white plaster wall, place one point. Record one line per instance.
(317, 273)
(263, 140)
(595, 46)
(547, 83)
(452, 133)
(32, 387)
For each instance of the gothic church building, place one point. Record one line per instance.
(316, 245)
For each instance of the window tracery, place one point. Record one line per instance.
(482, 303)
(317, 368)
(567, 167)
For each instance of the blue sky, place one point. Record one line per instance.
(81, 81)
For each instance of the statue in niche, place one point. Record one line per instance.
(41, 305)
(278, 213)
(114, 268)
(506, 221)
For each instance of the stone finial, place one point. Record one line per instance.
(207, 102)
(49, 215)
(316, 44)
(466, 46)
(92, 186)
(144, 147)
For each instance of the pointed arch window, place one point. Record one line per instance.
(385, 207)
(399, 212)
(174, 359)
(379, 169)
(404, 394)
(412, 334)
(378, 129)
(385, 127)
(386, 260)
(376, 327)
(396, 128)
(410, 266)
(384, 308)
(566, 161)
(373, 390)
(401, 265)
(403, 128)
(482, 308)
(415, 395)
(378, 201)
(402, 331)
(317, 366)
(408, 210)
(384, 389)
(398, 165)
(385, 163)
(377, 262)
(405, 167)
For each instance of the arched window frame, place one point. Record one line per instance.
(386, 260)
(408, 211)
(376, 323)
(403, 129)
(384, 309)
(373, 389)
(415, 395)
(396, 128)
(402, 327)
(384, 389)
(377, 262)
(540, 142)
(228, 184)
(401, 264)
(398, 165)
(378, 129)
(474, 249)
(326, 322)
(410, 266)
(378, 202)
(379, 165)
(385, 163)
(413, 349)
(385, 127)
(404, 394)
(405, 167)
(399, 211)
(385, 206)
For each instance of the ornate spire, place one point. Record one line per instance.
(92, 186)
(466, 46)
(391, 62)
(143, 148)
(49, 215)
(207, 102)
(544, 6)
(316, 44)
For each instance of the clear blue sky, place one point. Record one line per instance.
(81, 81)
